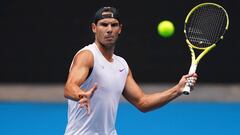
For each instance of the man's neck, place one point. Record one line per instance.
(107, 51)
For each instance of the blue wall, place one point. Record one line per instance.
(175, 118)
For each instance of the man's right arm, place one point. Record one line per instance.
(82, 63)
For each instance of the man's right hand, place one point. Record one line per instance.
(85, 98)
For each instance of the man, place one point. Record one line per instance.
(97, 79)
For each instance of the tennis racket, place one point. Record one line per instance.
(204, 27)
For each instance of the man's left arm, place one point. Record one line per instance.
(146, 102)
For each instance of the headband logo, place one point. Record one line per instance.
(107, 15)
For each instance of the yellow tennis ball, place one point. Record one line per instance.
(165, 28)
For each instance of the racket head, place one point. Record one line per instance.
(205, 25)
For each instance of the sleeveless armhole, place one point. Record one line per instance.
(127, 67)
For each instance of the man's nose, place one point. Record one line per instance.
(109, 28)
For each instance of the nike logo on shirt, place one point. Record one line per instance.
(120, 70)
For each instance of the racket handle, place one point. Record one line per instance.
(187, 89)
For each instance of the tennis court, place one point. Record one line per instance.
(182, 118)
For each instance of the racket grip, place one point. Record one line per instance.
(187, 89)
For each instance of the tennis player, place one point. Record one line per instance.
(97, 79)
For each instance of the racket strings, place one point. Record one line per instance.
(219, 20)
(206, 25)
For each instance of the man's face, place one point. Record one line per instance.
(106, 31)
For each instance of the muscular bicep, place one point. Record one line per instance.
(132, 92)
(80, 68)
(78, 73)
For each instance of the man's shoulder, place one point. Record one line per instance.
(85, 52)
(121, 59)
(88, 49)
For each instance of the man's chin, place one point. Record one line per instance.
(109, 44)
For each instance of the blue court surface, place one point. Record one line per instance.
(19, 118)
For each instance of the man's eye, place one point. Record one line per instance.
(104, 24)
(115, 25)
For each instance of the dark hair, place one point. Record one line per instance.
(99, 14)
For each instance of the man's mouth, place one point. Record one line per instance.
(109, 37)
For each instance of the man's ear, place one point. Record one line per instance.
(120, 30)
(94, 27)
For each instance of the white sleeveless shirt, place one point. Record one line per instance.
(110, 78)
